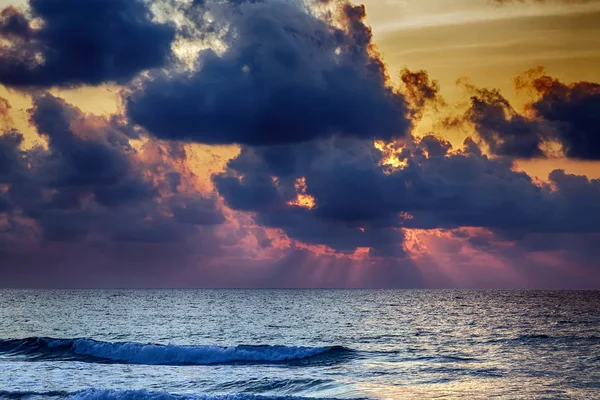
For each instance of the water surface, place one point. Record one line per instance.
(325, 344)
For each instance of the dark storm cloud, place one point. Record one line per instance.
(11, 165)
(249, 186)
(90, 182)
(361, 203)
(567, 114)
(573, 111)
(287, 76)
(502, 128)
(77, 161)
(72, 42)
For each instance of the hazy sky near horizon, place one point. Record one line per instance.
(284, 156)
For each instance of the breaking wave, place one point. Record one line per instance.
(89, 350)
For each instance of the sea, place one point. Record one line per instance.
(299, 344)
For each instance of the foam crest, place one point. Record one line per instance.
(154, 354)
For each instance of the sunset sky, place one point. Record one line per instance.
(281, 143)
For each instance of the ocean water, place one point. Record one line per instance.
(299, 344)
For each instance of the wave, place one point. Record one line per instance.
(106, 394)
(89, 350)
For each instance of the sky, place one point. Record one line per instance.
(287, 143)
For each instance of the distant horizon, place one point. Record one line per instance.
(303, 288)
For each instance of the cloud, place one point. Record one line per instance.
(420, 91)
(264, 180)
(289, 74)
(502, 128)
(573, 110)
(565, 114)
(357, 201)
(90, 183)
(71, 43)
(11, 166)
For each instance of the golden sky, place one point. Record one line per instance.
(488, 43)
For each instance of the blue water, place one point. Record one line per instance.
(299, 344)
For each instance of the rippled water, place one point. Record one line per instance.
(270, 344)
